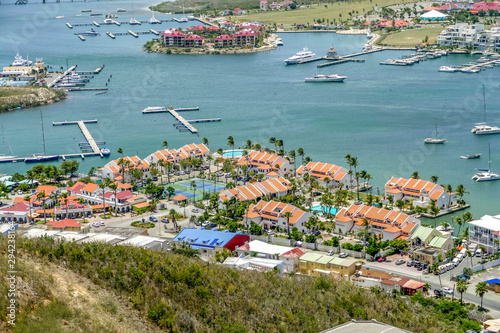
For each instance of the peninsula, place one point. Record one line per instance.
(28, 96)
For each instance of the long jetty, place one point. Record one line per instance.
(69, 70)
(96, 71)
(183, 121)
(86, 133)
(182, 124)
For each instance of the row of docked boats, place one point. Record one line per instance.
(72, 80)
(474, 67)
(410, 59)
(305, 55)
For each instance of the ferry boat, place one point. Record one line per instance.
(326, 78)
(90, 32)
(133, 21)
(469, 157)
(448, 69)
(105, 151)
(19, 61)
(121, 10)
(299, 56)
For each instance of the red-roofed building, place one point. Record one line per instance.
(174, 156)
(173, 37)
(194, 41)
(223, 41)
(384, 23)
(269, 215)
(275, 188)
(263, 163)
(327, 174)
(238, 11)
(212, 28)
(72, 209)
(64, 225)
(245, 38)
(197, 28)
(18, 212)
(263, 5)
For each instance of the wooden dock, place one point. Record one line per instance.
(86, 89)
(82, 38)
(182, 124)
(62, 123)
(96, 24)
(86, 133)
(183, 121)
(69, 25)
(96, 71)
(132, 33)
(161, 109)
(110, 35)
(339, 61)
(210, 120)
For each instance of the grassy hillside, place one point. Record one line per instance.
(180, 294)
(27, 96)
(412, 37)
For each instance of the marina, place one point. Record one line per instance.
(86, 133)
(182, 124)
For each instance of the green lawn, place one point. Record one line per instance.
(337, 11)
(412, 37)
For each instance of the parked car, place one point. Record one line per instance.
(19, 192)
(195, 210)
(447, 290)
(212, 225)
(358, 202)
(382, 259)
(153, 219)
(246, 179)
(177, 173)
(364, 243)
(165, 220)
(400, 262)
(96, 224)
(410, 263)
(239, 178)
(102, 224)
(465, 277)
(183, 173)
(371, 259)
(220, 174)
(298, 244)
(342, 255)
(228, 175)
(317, 233)
(155, 178)
(438, 292)
(270, 232)
(330, 253)
(340, 237)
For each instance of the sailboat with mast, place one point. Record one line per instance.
(41, 158)
(436, 139)
(486, 175)
(3, 157)
(483, 128)
(154, 20)
(183, 19)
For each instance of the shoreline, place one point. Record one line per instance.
(33, 97)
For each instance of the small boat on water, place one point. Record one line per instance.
(133, 21)
(470, 70)
(154, 20)
(86, 10)
(90, 32)
(278, 42)
(41, 158)
(486, 175)
(435, 140)
(105, 151)
(326, 78)
(108, 21)
(469, 157)
(448, 69)
(299, 56)
(191, 18)
(483, 128)
(183, 20)
(95, 14)
(121, 10)
(60, 17)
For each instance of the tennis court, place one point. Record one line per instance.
(184, 187)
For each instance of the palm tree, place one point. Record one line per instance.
(449, 190)
(400, 204)
(415, 175)
(434, 211)
(82, 202)
(470, 255)
(249, 144)
(120, 151)
(183, 205)
(462, 288)
(193, 186)
(292, 155)
(114, 187)
(481, 289)
(434, 179)
(460, 191)
(230, 142)
(301, 153)
(205, 141)
(102, 186)
(165, 144)
(434, 269)
(288, 215)
(28, 199)
(172, 214)
(459, 222)
(41, 196)
(272, 140)
(65, 197)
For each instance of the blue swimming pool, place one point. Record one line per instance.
(230, 153)
(324, 210)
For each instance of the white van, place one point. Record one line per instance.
(460, 257)
(456, 262)
(472, 248)
(479, 253)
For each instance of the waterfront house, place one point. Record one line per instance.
(289, 255)
(263, 5)
(333, 174)
(460, 35)
(382, 222)
(421, 192)
(262, 163)
(193, 40)
(314, 264)
(173, 38)
(274, 188)
(486, 232)
(124, 166)
(223, 41)
(209, 242)
(174, 156)
(64, 225)
(245, 38)
(269, 215)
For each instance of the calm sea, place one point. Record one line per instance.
(381, 114)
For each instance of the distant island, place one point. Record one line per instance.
(230, 38)
(28, 96)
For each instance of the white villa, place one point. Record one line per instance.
(275, 188)
(421, 191)
(264, 163)
(336, 174)
(460, 35)
(269, 215)
(486, 232)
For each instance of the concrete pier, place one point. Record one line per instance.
(86, 133)
(183, 121)
(86, 89)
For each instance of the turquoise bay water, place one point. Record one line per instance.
(380, 114)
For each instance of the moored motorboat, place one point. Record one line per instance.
(469, 157)
(449, 69)
(121, 10)
(133, 21)
(299, 56)
(326, 78)
(90, 32)
(105, 151)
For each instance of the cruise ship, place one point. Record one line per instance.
(326, 78)
(302, 55)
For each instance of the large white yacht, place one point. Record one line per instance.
(133, 21)
(302, 55)
(19, 61)
(486, 175)
(326, 78)
(447, 69)
(483, 128)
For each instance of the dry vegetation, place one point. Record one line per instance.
(13, 97)
(181, 294)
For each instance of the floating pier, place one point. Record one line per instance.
(96, 71)
(81, 37)
(96, 24)
(69, 25)
(182, 124)
(160, 109)
(340, 61)
(62, 123)
(86, 133)
(305, 61)
(87, 89)
(183, 121)
(210, 120)
(132, 33)
(110, 35)
(154, 31)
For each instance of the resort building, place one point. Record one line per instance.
(245, 38)
(289, 255)
(274, 188)
(431, 244)
(333, 174)
(121, 167)
(209, 242)
(263, 5)
(270, 215)
(194, 41)
(262, 163)
(174, 156)
(173, 37)
(72, 208)
(223, 41)
(486, 232)
(421, 192)
(315, 264)
(460, 35)
(64, 225)
(23, 67)
(18, 212)
(382, 222)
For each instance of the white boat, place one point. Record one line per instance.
(86, 10)
(482, 59)
(133, 21)
(153, 20)
(19, 61)
(183, 20)
(278, 42)
(299, 56)
(90, 32)
(66, 85)
(435, 140)
(470, 70)
(449, 69)
(121, 10)
(483, 128)
(486, 175)
(191, 18)
(470, 157)
(105, 151)
(60, 17)
(41, 158)
(108, 21)
(326, 78)
(3, 157)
